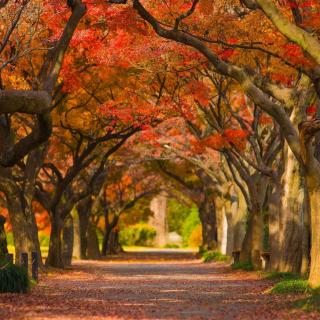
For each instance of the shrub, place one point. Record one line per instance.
(291, 287)
(247, 266)
(195, 239)
(13, 279)
(214, 256)
(190, 224)
(137, 235)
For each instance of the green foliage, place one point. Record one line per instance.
(191, 222)
(137, 235)
(195, 239)
(10, 239)
(44, 239)
(282, 276)
(176, 215)
(247, 266)
(13, 279)
(209, 256)
(296, 286)
(171, 246)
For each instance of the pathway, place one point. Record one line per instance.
(149, 285)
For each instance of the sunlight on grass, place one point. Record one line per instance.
(209, 256)
(247, 266)
(297, 286)
(148, 249)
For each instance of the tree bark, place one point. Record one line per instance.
(239, 222)
(314, 194)
(291, 215)
(274, 226)
(308, 129)
(3, 239)
(67, 244)
(207, 213)
(109, 227)
(24, 227)
(54, 258)
(306, 237)
(84, 214)
(76, 234)
(252, 246)
(114, 246)
(93, 251)
(253, 241)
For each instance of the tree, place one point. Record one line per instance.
(261, 91)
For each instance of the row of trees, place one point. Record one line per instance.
(224, 101)
(277, 74)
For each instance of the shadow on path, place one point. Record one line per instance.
(149, 286)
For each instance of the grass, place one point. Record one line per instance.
(209, 256)
(297, 286)
(171, 246)
(247, 266)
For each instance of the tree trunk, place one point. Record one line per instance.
(207, 212)
(54, 258)
(3, 239)
(84, 214)
(230, 208)
(114, 246)
(239, 221)
(291, 216)
(314, 196)
(109, 227)
(76, 234)
(306, 237)
(253, 240)
(67, 244)
(93, 251)
(274, 226)
(24, 227)
(106, 240)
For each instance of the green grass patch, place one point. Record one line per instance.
(171, 246)
(297, 286)
(280, 276)
(247, 266)
(209, 256)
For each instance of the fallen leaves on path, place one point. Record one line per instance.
(149, 287)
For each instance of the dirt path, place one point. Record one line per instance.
(149, 286)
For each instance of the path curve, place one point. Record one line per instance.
(149, 286)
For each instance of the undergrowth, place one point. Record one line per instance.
(13, 278)
(247, 266)
(297, 286)
(209, 256)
